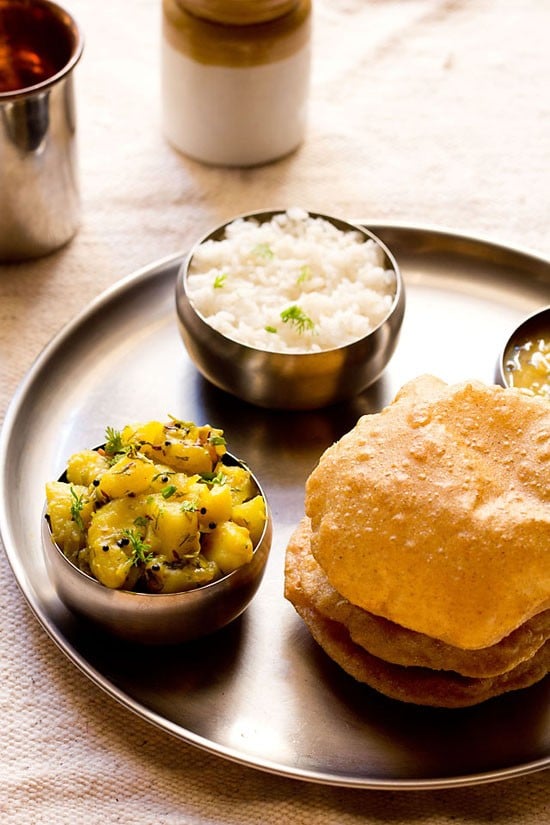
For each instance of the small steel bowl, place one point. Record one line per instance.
(159, 618)
(536, 324)
(291, 381)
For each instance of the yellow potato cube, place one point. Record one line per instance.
(85, 466)
(130, 475)
(180, 456)
(110, 549)
(187, 458)
(252, 515)
(175, 579)
(242, 486)
(111, 568)
(69, 510)
(229, 545)
(151, 433)
(214, 505)
(173, 531)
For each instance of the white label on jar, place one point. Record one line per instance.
(234, 116)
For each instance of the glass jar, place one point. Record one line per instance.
(235, 78)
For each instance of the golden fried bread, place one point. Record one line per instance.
(418, 685)
(306, 586)
(435, 513)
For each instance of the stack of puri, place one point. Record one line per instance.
(422, 565)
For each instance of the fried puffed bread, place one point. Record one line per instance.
(435, 513)
(307, 587)
(417, 685)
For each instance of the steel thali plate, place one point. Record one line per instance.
(261, 692)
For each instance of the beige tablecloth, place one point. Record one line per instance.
(423, 111)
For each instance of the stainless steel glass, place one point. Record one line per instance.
(40, 44)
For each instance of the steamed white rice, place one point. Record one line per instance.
(330, 285)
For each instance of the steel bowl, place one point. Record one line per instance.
(292, 381)
(159, 618)
(536, 324)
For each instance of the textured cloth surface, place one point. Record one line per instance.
(422, 111)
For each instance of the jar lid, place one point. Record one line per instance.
(239, 12)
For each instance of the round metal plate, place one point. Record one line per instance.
(260, 692)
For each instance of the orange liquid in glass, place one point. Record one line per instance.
(23, 68)
(34, 45)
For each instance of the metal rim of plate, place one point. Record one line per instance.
(512, 282)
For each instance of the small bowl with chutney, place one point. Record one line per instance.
(525, 360)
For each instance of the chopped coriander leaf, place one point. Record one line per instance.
(141, 521)
(217, 440)
(115, 447)
(168, 491)
(189, 507)
(219, 280)
(305, 274)
(113, 441)
(213, 478)
(141, 552)
(76, 506)
(270, 329)
(296, 316)
(263, 250)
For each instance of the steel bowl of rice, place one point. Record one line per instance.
(290, 309)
